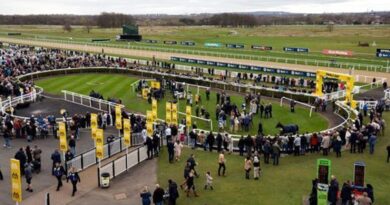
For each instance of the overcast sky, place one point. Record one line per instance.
(187, 6)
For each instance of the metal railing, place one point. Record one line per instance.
(301, 103)
(124, 163)
(88, 158)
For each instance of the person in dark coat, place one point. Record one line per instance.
(260, 128)
(145, 196)
(210, 141)
(59, 171)
(156, 144)
(370, 192)
(149, 146)
(333, 190)
(74, 178)
(29, 154)
(388, 153)
(158, 195)
(219, 140)
(337, 144)
(56, 158)
(346, 193)
(241, 144)
(21, 156)
(248, 145)
(171, 151)
(173, 192)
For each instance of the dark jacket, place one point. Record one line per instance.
(173, 193)
(158, 195)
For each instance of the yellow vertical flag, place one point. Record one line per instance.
(149, 129)
(118, 117)
(99, 144)
(93, 132)
(63, 142)
(16, 181)
(127, 132)
(149, 116)
(94, 120)
(145, 93)
(168, 112)
(154, 109)
(174, 114)
(188, 116)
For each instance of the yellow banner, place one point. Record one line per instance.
(63, 142)
(93, 132)
(174, 114)
(149, 116)
(168, 113)
(145, 93)
(127, 132)
(94, 121)
(16, 181)
(155, 84)
(149, 129)
(99, 144)
(188, 116)
(118, 117)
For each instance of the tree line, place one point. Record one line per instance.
(115, 20)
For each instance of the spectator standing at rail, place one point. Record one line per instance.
(149, 147)
(248, 145)
(275, 153)
(210, 141)
(325, 144)
(241, 145)
(72, 145)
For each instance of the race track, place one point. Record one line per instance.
(167, 56)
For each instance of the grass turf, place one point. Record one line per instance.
(287, 183)
(316, 38)
(118, 86)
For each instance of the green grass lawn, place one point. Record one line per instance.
(118, 86)
(316, 38)
(283, 184)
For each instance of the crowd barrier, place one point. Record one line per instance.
(124, 163)
(88, 158)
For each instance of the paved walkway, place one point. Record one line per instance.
(88, 183)
(44, 179)
(125, 189)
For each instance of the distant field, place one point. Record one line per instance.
(316, 38)
(118, 86)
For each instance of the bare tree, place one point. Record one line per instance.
(67, 27)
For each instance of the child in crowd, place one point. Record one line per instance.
(209, 181)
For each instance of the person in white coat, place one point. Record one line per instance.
(178, 147)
